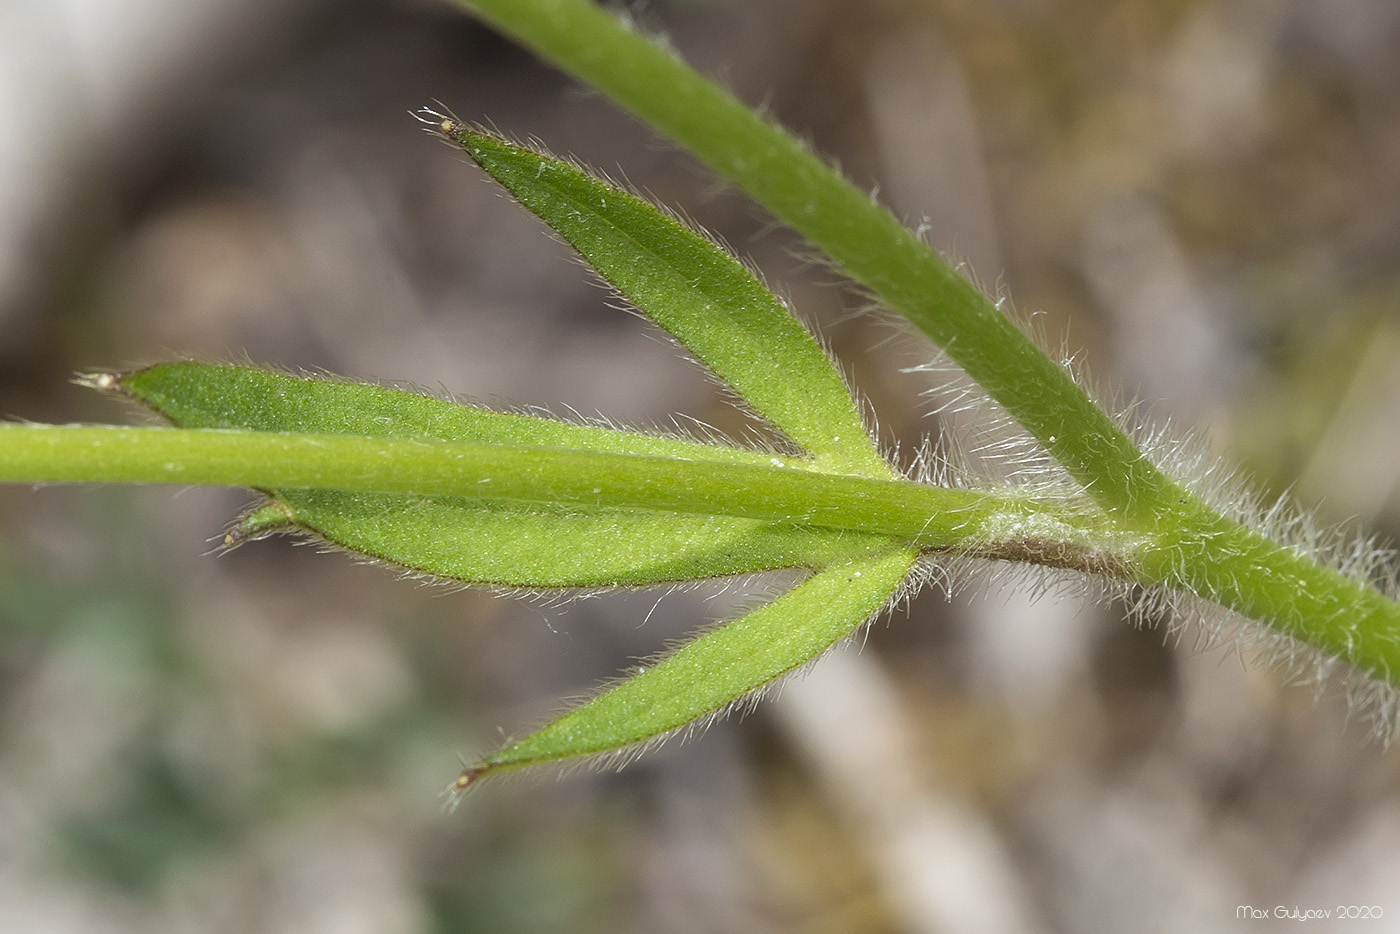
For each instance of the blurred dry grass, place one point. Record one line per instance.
(1201, 195)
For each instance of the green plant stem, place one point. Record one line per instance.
(930, 516)
(1228, 564)
(872, 245)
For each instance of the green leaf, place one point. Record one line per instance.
(202, 395)
(561, 548)
(699, 293)
(467, 540)
(715, 670)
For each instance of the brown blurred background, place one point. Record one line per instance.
(1200, 196)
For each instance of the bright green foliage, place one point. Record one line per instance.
(1003, 522)
(697, 292)
(709, 673)
(458, 492)
(459, 539)
(1329, 601)
(720, 312)
(867, 241)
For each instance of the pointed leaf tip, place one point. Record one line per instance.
(455, 792)
(715, 670)
(261, 522)
(705, 298)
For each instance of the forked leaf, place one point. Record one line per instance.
(695, 290)
(463, 540)
(719, 311)
(715, 670)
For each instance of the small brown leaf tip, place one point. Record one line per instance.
(445, 124)
(459, 787)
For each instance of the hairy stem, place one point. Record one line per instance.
(928, 516)
(1228, 563)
